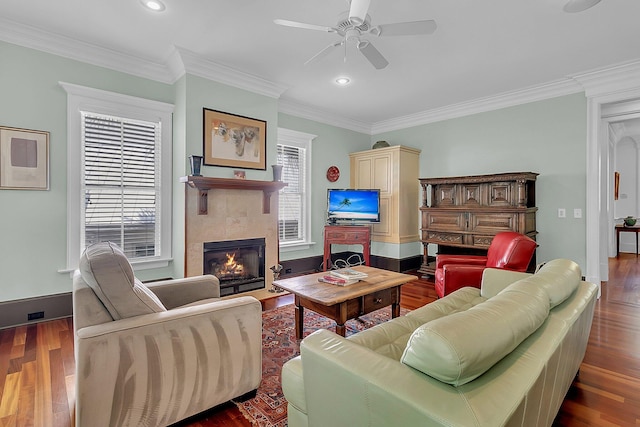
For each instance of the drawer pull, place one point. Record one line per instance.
(377, 300)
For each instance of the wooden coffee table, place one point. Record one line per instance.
(341, 303)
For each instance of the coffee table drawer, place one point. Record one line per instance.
(380, 299)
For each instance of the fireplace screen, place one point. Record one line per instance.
(238, 264)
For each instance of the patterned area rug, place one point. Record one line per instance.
(279, 344)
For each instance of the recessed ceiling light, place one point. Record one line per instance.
(155, 5)
(343, 81)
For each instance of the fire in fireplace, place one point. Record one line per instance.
(238, 264)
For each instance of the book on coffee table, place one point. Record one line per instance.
(334, 280)
(348, 274)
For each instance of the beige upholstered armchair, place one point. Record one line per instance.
(153, 355)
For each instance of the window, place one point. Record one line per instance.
(294, 216)
(119, 175)
(120, 183)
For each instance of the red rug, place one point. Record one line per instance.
(279, 344)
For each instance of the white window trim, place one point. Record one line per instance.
(80, 98)
(300, 140)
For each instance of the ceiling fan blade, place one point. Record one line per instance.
(414, 28)
(373, 55)
(358, 11)
(324, 52)
(295, 24)
(574, 6)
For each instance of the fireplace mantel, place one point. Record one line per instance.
(204, 184)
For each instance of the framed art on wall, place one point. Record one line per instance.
(24, 159)
(234, 141)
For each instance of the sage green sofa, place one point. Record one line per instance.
(502, 355)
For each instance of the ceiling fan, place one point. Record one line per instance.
(355, 23)
(574, 6)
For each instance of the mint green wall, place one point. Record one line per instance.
(34, 225)
(547, 137)
(202, 93)
(194, 94)
(331, 147)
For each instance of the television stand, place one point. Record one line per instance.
(346, 235)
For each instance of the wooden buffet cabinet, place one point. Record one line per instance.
(462, 214)
(393, 170)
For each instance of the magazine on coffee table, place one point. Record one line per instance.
(348, 274)
(334, 280)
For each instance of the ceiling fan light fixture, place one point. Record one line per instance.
(574, 6)
(155, 5)
(343, 81)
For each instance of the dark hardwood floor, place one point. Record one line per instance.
(37, 365)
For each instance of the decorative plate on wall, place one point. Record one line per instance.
(333, 173)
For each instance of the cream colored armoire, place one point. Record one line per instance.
(393, 170)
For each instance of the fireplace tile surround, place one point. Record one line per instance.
(235, 209)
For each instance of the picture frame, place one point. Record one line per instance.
(24, 159)
(233, 141)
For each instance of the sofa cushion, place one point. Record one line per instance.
(460, 347)
(495, 280)
(390, 338)
(559, 278)
(105, 268)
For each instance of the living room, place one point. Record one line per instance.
(548, 129)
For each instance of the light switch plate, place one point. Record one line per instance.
(577, 213)
(562, 213)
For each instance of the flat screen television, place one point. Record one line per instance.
(353, 205)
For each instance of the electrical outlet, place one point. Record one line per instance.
(577, 213)
(36, 315)
(562, 213)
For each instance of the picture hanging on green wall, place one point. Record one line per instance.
(24, 159)
(234, 141)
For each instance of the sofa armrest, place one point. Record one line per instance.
(146, 323)
(347, 384)
(179, 292)
(442, 260)
(167, 366)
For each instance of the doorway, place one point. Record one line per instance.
(624, 137)
(604, 106)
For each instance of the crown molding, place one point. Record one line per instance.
(615, 79)
(304, 111)
(503, 100)
(34, 38)
(202, 67)
(177, 63)
(610, 80)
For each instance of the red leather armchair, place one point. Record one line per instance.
(508, 250)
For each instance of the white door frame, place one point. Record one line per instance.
(615, 84)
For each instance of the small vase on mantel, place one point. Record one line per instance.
(195, 162)
(277, 172)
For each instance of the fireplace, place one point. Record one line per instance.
(238, 264)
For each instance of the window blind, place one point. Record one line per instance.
(291, 207)
(121, 183)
